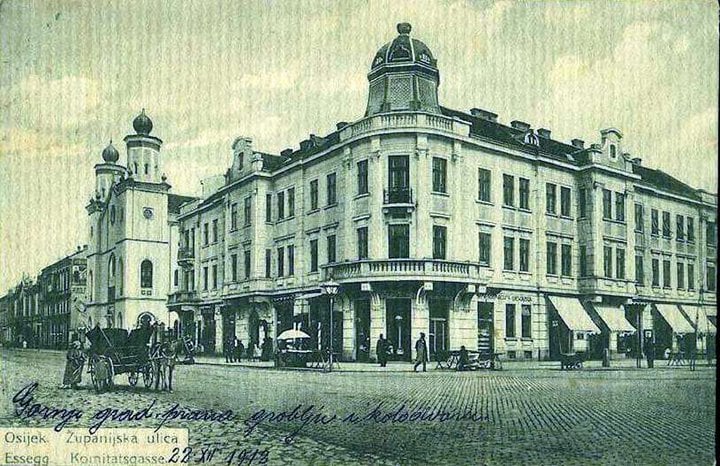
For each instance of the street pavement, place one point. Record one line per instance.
(528, 413)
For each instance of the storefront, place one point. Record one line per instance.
(570, 327)
(618, 335)
(673, 331)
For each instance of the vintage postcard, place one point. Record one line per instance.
(360, 232)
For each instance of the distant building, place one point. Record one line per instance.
(492, 236)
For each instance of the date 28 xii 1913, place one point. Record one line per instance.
(234, 457)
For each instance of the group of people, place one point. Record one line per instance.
(234, 350)
(383, 347)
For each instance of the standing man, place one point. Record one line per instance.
(421, 349)
(381, 349)
(239, 349)
(229, 348)
(649, 351)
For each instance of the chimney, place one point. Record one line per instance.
(340, 125)
(520, 125)
(544, 133)
(636, 161)
(484, 114)
(286, 152)
(579, 143)
(306, 144)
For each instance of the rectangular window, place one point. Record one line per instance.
(666, 225)
(508, 253)
(639, 218)
(268, 263)
(620, 207)
(313, 255)
(654, 223)
(206, 236)
(524, 255)
(667, 283)
(607, 261)
(526, 329)
(550, 198)
(215, 231)
(362, 177)
(690, 230)
(551, 258)
(291, 202)
(710, 276)
(314, 195)
(362, 243)
(233, 217)
(566, 260)
(639, 270)
(484, 249)
(233, 267)
(691, 276)
(508, 190)
(582, 203)
(620, 263)
(679, 228)
(583, 261)
(280, 261)
(331, 189)
(565, 201)
(398, 241)
(439, 175)
(268, 208)
(484, 183)
(524, 193)
(247, 210)
(214, 276)
(439, 238)
(607, 204)
(710, 234)
(246, 256)
(205, 278)
(331, 249)
(291, 259)
(680, 275)
(510, 320)
(281, 205)
(655, 272)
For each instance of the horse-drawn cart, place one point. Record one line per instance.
(114, 351)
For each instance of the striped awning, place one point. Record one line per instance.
(573, 314)
(700, 319)
(672, 315)
(614, 318)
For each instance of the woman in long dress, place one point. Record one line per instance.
(73, 366)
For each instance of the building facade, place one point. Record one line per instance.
(132, 234)
(479, 234)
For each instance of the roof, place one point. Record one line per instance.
(661, 180)
(176, 200)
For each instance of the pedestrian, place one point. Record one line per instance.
(650, 353)
(228, 349)
(267, 348)
(239, 349)
(75, 361)
(463, 359)
(382, 348)
(421, 350)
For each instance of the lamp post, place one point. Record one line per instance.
(330, 288)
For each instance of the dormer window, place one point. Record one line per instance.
(400, 53)
(613, 151)
(424, 57)
(531, 138)
(240, 161)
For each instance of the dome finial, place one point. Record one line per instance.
(142, 123)
(404, 28)
(110, 154)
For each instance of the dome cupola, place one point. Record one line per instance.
(403, 76)
(142, 123)
(110, 154)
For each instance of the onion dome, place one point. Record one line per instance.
(110, 154)
(404, 50)
(142, 123)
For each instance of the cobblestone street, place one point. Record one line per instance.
(529, 416)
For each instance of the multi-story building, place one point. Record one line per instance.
(494, 237)
(133, 234)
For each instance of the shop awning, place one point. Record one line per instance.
(309, 296)
(614, 318)
(672, 315)
(573, 314)
(700, 315)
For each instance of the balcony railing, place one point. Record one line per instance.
(186, 255)
(398, 196)
(412, 269)
(181, 297)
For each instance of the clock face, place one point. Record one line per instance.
(148, 213)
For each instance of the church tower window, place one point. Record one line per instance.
(146, 274)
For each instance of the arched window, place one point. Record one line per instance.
(146, 169)
(136, 168)
(613, 151)
(121, 275)
(146, 274)
(90, 288)
(111, 270)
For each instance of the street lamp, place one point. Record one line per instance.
(330, 288)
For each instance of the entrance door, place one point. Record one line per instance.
(398, 328)
(438, 338)
(485, 329)
(362, 330)
(207, 338)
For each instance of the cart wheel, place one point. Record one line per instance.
(147, 374)
(133, 378)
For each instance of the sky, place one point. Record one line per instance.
(74, 74)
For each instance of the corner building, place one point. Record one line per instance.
(496, 237)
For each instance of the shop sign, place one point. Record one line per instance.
(502, 296)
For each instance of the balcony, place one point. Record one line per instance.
(406, 120)
(182, 297)
(186, 256)
(404, 269)
(398, 199)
